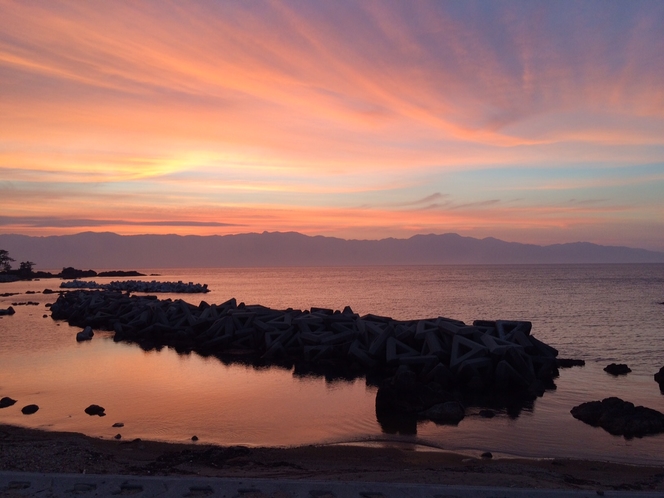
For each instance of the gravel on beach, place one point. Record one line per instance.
(30, 450)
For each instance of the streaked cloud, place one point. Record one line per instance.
(352, 119)
(54, 222)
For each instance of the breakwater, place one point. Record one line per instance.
(139, 286)
(427, 368)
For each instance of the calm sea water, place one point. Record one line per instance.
(599, 313)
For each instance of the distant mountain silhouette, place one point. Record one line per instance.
(109, 250)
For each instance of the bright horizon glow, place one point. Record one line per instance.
(534, 122)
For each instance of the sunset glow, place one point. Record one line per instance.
(527, 121)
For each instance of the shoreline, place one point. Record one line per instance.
(33, 450)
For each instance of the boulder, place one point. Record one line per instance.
(659, 378)
(29, 409)
(95, 410)
(620, 417)
(6, 401)
(451, 412)
(404, 379)
(617, 369)
(85, 335)
(7, 311)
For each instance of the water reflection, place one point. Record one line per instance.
(488, 402)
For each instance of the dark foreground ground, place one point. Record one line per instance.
(28, 450)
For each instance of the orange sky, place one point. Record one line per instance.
(527, 121)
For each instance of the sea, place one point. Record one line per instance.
(599, 313)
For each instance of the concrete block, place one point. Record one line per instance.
(442, 319)
(481, 368)
(332, 339)
(359, 353)
(316, 353)
(522, 363)
(498, 346)
(395, 350)
(439, 374)
(507, 327)
(542, 348)
(507, 378)
(464, 349)
(377, 346)
(422, 327)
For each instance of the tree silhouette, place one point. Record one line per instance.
(26, 268)
(5, 261)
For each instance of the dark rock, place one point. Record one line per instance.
(118, 436)
(487, 413)
(29, 409)
(569, 363)
(70, 273)
(487, 454)
(659, 378)
(451, 412)
(6, 401)
(120, 273)
(617, 369)
(95, 410)
(620, 417)
(405, 379)
(118, 424)
(7, 311)
(85, 335)
(48, 291)
(194, 438)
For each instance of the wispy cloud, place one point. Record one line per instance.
(286, 114)
(54, 222)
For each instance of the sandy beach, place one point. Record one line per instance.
(28, 450)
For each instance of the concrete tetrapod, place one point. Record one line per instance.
(449, 360)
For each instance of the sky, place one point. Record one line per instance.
(530, 121)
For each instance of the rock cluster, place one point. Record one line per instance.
(139, 286)
(620, 417)
(7, 311)
(422, 366)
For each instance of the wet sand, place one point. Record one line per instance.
(30, 450)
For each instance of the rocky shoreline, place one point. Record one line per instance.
(68, 273)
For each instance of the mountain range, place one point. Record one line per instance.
(110, 250)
